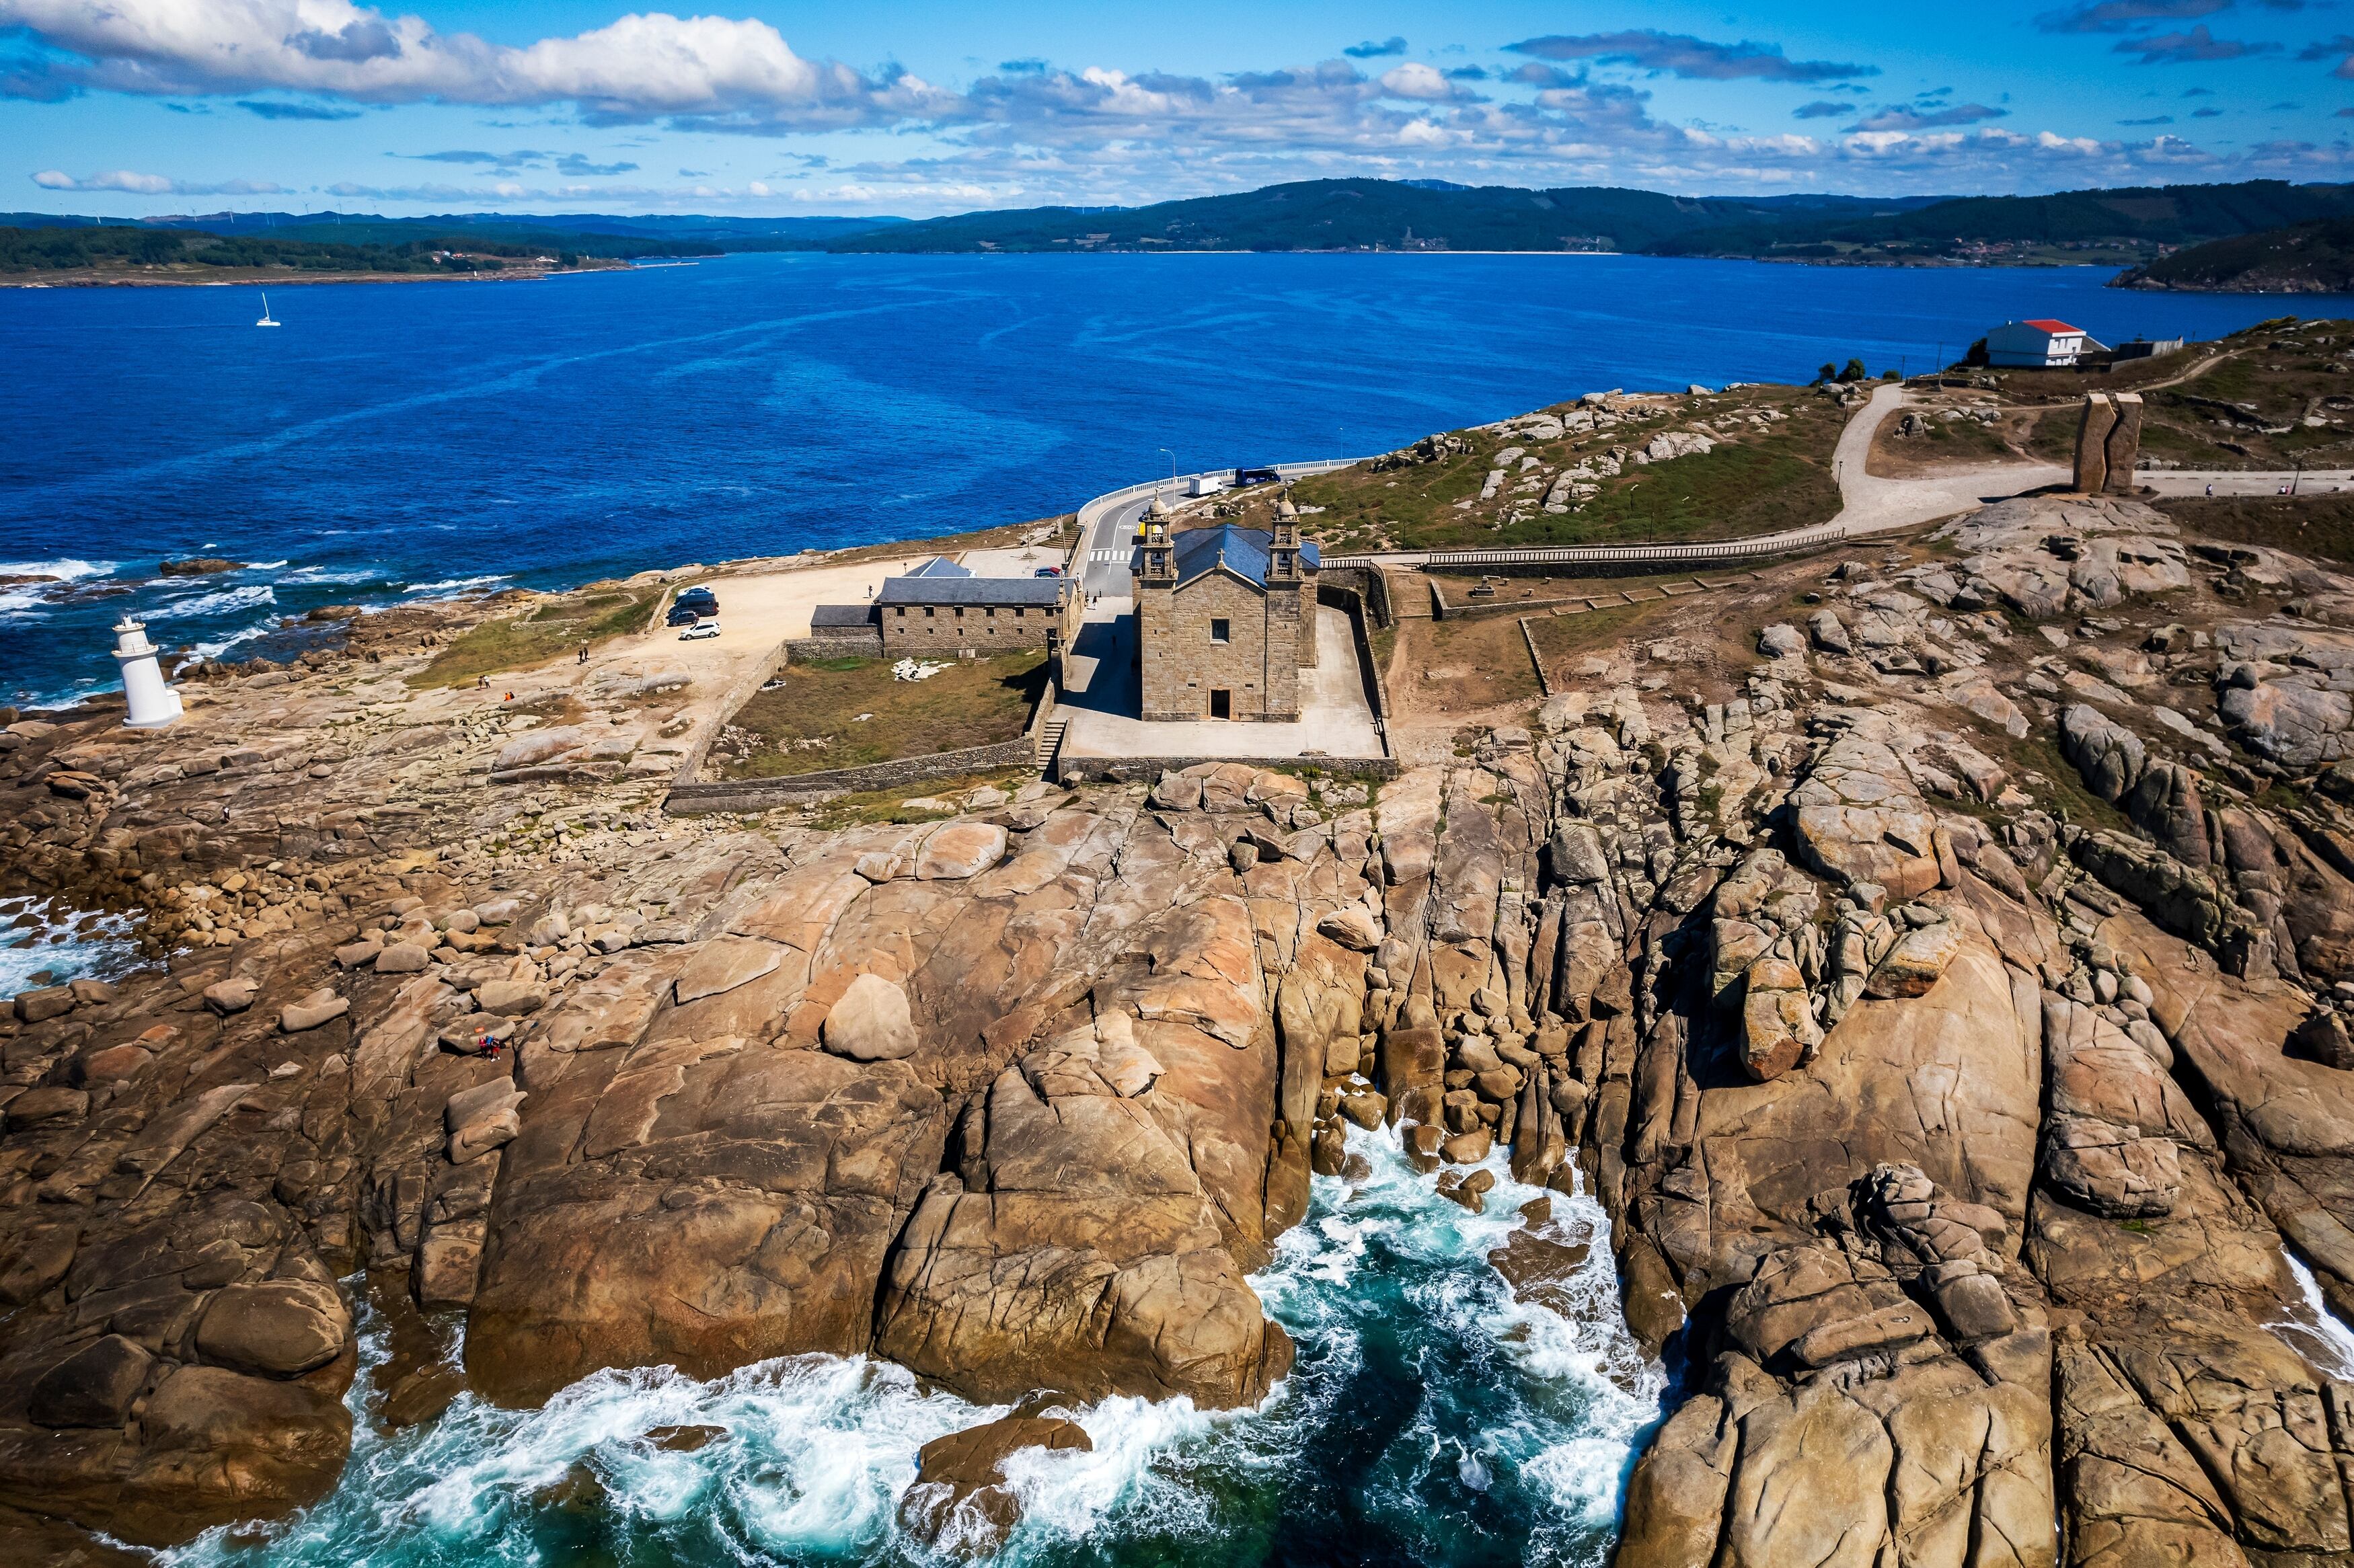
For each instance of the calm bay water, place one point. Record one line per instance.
(393, 440)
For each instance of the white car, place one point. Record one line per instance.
(699, 631)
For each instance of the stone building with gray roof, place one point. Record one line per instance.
(1225, 619)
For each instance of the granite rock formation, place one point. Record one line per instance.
(1949, 1008)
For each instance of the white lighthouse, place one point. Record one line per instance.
(154, 704)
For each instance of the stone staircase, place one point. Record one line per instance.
(1050, 743)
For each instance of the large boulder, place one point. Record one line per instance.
(1858, 817)
(871, 1022)
(961, 1499)
(92, 1387)
(277, 1328)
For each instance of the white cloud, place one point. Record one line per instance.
(639, 66)
(138, 184)
(1096, 134)
(1424, 82)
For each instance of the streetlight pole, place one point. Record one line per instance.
(1172, 466)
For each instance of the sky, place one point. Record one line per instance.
(138, 108)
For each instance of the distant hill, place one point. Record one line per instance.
(2121, 226)
(2134, 219)
(1367, 215)
(133, 252)
(587, 234)
(2315, 258)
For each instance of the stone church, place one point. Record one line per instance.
(1225, 619)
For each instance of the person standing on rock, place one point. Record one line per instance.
(584, 650)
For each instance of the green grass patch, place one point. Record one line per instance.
(1755, 481)
(532, 637)
(2314, 525)
(811, 723)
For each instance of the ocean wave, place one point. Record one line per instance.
(1427, 1409)
(218, 646)
(457, 584)
(67, 945)
(16, 598)
(222, 602)
(65, 569)
(321, 576)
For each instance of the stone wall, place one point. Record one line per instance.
(850, 645)
(1344, 595)
(931, 630)
(1258, 663)
(765, 794)
(1149, 769)
(1370, 591)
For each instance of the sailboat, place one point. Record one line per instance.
(265, 320)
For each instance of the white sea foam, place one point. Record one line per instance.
(23, 599)
(821, 1450)
(221, 602)
(65, 569)
(220, 645)
(458, 585)
(67, 944)
(2323, 1335)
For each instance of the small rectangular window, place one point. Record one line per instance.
(992, 613)
(1221, 631)
(959, 612)
(929, 612)
(901, 612)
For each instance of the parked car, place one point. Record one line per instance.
(1047, 572)
(1244, 477)
(699, 631)
(701, 600)
(680, 615)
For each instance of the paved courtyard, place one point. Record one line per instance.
(1101, 700)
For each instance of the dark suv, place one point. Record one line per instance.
(692, 604)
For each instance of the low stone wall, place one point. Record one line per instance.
(736, 696)
(689, 797)
(1489, 609)
(1346, 598)
(809, 649)
(798, 789)
(1148, 769)
(1370, 588)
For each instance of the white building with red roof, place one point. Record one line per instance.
(2040, 343)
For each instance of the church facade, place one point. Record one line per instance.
(1225, 619)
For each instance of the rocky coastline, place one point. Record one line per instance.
(1936, 960)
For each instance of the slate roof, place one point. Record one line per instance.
(1027, 591)
(1243, 551)
(941, 567)
(838, 617)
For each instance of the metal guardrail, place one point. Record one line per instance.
(1760, 548)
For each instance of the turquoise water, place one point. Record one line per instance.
(1430, 1419)
(392, 440)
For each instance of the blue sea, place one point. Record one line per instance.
(394, 440)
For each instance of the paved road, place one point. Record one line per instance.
(1107, 527)
(1868, 503)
